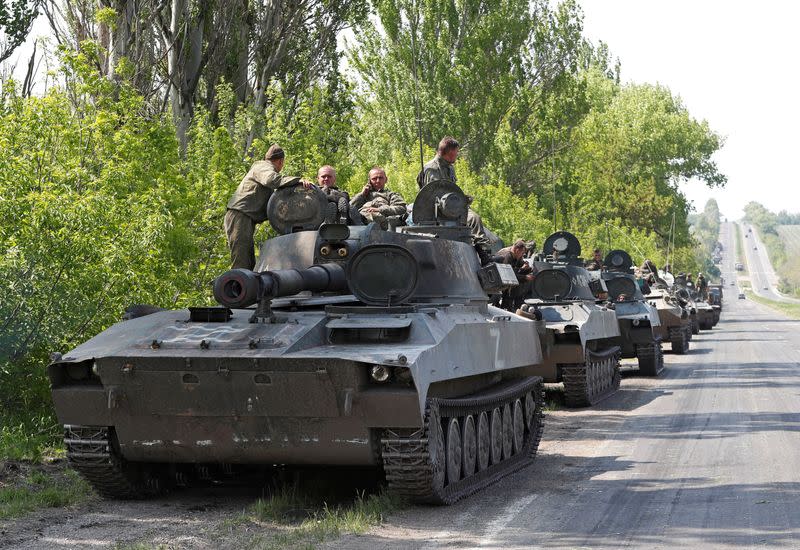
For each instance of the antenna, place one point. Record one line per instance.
(553, 179)
(671, 241)
(417, 113)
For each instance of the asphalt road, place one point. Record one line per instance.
(762, 275)
(705, 456)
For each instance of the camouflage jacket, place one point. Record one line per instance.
(334, 193)
(436, 169)
(254, 191)
(388, 202)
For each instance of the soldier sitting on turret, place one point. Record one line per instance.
(376, 203)
(441, 169)
(596, 263)
(339, 200)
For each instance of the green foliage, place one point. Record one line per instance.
(705, 229)
(319, 521)
(767, 224)
(629, 157)
(16, 18)
(479, 65)
(42, 490)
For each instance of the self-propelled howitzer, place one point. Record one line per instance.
(638, 319)
(577, 335)
(365, 347)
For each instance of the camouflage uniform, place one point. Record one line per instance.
(436, 169)
(334, 193)
(440, 169)
(512, 298)
(248, 207)
(702, 287)
(594, 265)
(388, 202)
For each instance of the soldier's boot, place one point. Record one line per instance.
(344, 209)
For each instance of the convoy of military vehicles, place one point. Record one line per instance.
(350, 345)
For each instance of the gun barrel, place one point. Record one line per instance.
(240, 288)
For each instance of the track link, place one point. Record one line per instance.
(588, 383)
(415, 463)
(679, 339)
(651, 358)
(91, 453)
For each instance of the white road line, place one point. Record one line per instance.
(497, 525)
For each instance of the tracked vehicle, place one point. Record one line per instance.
(577, 335)
(639, 322)
(675, 324)
(703, 318)
(346, 346)
(715, 299)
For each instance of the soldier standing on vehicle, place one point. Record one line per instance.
(248, 205)
(702, 286)
(376, 203)
(441, 168)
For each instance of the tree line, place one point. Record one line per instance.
(116, 168)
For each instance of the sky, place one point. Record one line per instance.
(734, 64)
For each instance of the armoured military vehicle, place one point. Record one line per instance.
(700, 313)
(674, 320)
(639, 322)
(348, 345)
(715, 300)
(577, 335)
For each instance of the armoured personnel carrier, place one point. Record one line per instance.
(674, 321)
(639, 322)
(348, 345)
(577, 335)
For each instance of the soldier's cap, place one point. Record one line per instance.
(275, 152)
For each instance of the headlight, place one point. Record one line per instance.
(380, 374)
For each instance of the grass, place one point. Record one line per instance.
(41, 489)
(31, 439)
(304, 521)
(788, 309)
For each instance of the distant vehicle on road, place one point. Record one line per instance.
(741, 296)
(766, 288)
(755, 248)
(739, 266)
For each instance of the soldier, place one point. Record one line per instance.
(441, 168)
(376, 203)
(702, 286)
(596, 263)
(513, 255)
(248, 205)
(338, 200)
